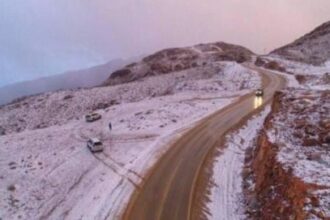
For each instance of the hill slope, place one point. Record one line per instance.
(47, 172)
(313, 48)
(178, 59)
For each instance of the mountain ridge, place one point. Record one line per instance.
(312, 48)
(83, 78)
(177, 59)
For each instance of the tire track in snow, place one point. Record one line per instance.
(66, 194)
(122, 172)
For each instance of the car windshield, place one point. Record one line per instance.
(97, 143)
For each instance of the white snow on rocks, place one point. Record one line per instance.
(217, 79)
(46, 170)
(324, 203)
(301, 131)
(226, 200)
(311, 77)
(301, 146)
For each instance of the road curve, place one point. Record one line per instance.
(167, 192)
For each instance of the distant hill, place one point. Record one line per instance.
(313, 48)
(70, 80)
(178, 59)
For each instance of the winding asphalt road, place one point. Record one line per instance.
(168, 190)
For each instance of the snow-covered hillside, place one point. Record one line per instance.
(301, 74)
(313, 48)
(307, 59)
(47, 172)
(291, 161)
(178, 59)
(305, 143)
(280, 172)
(57, 108)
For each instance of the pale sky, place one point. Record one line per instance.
(45, 37)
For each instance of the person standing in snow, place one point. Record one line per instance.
(110, 126)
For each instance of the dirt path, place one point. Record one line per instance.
(168, 190)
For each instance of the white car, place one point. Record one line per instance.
(95, 145)
(93, 117)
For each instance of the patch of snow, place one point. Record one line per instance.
(58, 177)
(50, 173)
(320, 87)
(291, 80)
(306, 106)
(315, 75)
(226, 200)
(300, 130)
(60, 107)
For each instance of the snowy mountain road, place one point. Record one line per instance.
(168, 190)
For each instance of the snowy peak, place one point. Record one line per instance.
(178, 59)
(313, 48)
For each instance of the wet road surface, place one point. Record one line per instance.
(167, 192)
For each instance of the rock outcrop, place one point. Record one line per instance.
(290, 165)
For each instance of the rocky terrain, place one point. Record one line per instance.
(289, 170)
(313, 48)
(306, 59)
(58, 108)
(178, 59)
(299, 74)
(47, 172)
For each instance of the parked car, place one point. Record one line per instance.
(93, 117)
(95, 145)
(259, 92)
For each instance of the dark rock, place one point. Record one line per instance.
(101, 106)
(326, 139)
(67, 97)
(11, 188)
(315, 201)
(121, 73)
(2, 131)
(260, 62)
(310, 142)
(273, 65)
(311, 130)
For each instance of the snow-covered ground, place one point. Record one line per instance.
(221, 79)
(54, 175)
(312, 77)
(301, 131)
(46, 170)
(226, 199)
